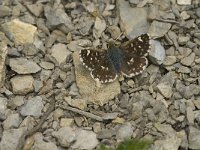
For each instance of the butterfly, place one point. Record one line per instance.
(129, 59)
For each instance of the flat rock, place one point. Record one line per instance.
(3, 55)
(3, 108)
(169, 60)
(40, 144)
(46, 65)
(18, 31)
(99, 27)
(4, 11)
(12, 121)
(56, 16)
(187, 61)
(60, 52)
(157, 53)
(166, 84)
(65, 136)
(194, 138)
(87, 86)
(82, 138)
(22, 84)
(132, 20)
(36, 9)
(11, 138)
(158, 29)
(184, 2)
(23, 66)
(125, 131)
(33, 107)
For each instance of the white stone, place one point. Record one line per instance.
(22, 84)
(60, 52)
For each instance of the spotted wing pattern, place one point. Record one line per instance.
(132, 62)
(101, 67)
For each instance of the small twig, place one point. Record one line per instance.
(81, 112)
(36, 128)
(167, 20)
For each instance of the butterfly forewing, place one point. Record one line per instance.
(138, 47)
(90, 58)
(104, 72)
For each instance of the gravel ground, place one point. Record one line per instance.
(48, 99)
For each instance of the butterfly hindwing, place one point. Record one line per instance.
(133, 66)
(104, 72)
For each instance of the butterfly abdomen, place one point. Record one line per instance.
(115, 55)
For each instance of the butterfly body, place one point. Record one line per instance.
(129, 60)
(115, 56)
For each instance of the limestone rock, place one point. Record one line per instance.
(23, 66)
(60, 52)
(158, 29)
(33, 107)
(132, 20)
(22, 84)
(3, 54)
(18, 31)
(87, 88)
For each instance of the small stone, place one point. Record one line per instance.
(114, 31)
(132, 20)
(56, 16)
(124, 132)
(3, 108)
(23, 66)
(77, 103)
(194, 138)
(12, 121)
(42, 145)
(166, 84)
(29, 49)
(33, 107)
(187, 61)
(190, 115)
(65, 136)
(65, 122)
(35, 9)
(37, 85)
(118, 120)
(158, 29)
(169, 60)
(184, 15)
(60, 52)
(3, 54)
(182, 40)
(165, 90)
(106, 134)
(183, 69)
(96, 127)
(22, 84)
(11, 138)
(46, 65)
(18, 31)
(16, 101)
(197, 103)
(99, 27)
(157, 53)
(4, 11)
(184, 2)
(82, 138)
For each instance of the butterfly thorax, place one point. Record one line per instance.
(115, 55)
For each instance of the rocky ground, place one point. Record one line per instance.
(48, 99)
